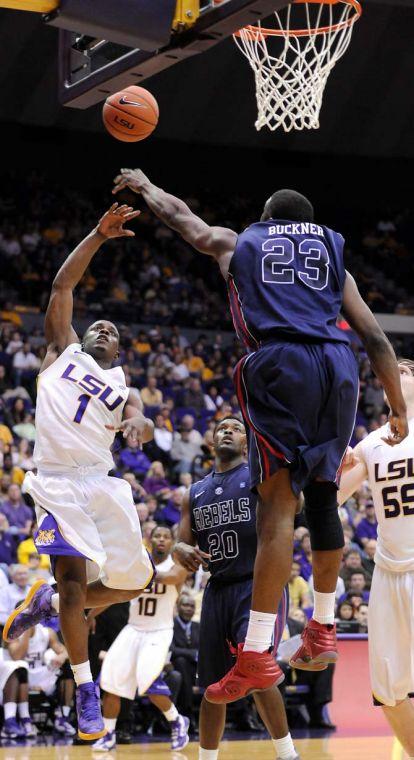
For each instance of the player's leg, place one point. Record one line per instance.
(151, 659)
(272, 711)
(118, 679)
(401, 720)
(319, 647)
(211, 727)
(70, 574)
(30, 729)
(179, 724)
(11, 728)
(64, 694)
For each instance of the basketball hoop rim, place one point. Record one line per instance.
(257, 32)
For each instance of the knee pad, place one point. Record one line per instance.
(321, 510)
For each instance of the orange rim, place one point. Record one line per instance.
(258, 32)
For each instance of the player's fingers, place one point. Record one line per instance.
(112, 427)
(126, 430)
(127, 233)
(119, 186)
(203, 554)
(132, 215)
(113, 207)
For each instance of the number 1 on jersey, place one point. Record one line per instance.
(84, 400)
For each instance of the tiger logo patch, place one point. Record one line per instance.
(45, 537)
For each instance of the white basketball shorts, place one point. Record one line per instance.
(391, 635)
(91, 514)
(134, 661)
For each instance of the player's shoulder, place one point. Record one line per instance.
(374, 439)
(199, 485)
(166, 564)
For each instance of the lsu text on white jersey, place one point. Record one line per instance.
(154, 609)
(391, 479)
(76, 399)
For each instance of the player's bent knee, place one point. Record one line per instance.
(72, 595)
(321, 511)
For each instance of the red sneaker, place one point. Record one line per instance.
(318, 647)
(253, 671)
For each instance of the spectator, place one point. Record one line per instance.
(352, 562)
(187, 424)
(356, 584)
(16, 473)
(155, 481)
(184, 651)
(26, 429)
(194, 397)
(36, 571)
(19, 516)
(24, 457)
(133, 458)
(142, 511)
(298, 588)
(172, 512)
(345, 611)
(7, 543)
(151, 395)
(373, 398)
(163, 439)
(361, 615)
(180, 371)
(25, 365)
(368, 560)
(138, 492)
(14, 592)
(194, 363)
(367, 528)
(304, 557)
(183, 451)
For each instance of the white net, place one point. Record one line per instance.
(292, 61)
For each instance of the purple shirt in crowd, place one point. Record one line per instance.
(17, 516)
(366, 529)
(135, 461)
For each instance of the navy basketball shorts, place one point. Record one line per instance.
(299, 403)
(223, 624)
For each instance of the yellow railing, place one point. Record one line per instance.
(39, 6)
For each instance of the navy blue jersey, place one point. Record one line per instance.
(285, 282)
(223, 517)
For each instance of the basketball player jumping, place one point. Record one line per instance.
(218, 525)
(87, 520)
(298, 389)
(137, 657)
(390, 474)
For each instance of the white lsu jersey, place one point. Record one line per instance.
(76, 399)
(154, 609)
(391, 479)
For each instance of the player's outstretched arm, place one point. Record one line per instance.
(58, 321)
(354, 472)
(176, 576)
(218, 242)
(185, 551)
(381, 355)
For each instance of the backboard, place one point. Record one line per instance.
(91, 68)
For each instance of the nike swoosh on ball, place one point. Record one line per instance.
(126, 102)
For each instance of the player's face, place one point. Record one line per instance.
(230, 438)
(161, 541)
(101, 341)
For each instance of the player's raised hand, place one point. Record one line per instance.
(112, 223)
(398, 425)
(135, 179)
(190, 557)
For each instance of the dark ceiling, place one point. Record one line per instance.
(368, 105)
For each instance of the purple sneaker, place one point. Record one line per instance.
(37, 607)
(88, 708)
(12, 730)
(179, 732)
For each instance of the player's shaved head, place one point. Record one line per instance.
(229, 439)
(101, 340)
(288, 204)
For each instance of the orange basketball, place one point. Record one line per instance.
(130, 115)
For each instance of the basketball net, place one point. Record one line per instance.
(292, 60)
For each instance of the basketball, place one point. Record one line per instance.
(131, 114)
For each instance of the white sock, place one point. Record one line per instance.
(324, 611)
(260, 631)
(82, 673)
(10, 710)
(65, 711)
(171, 714)
(110, 724)
(55, 602)
(285, 749)
(207, 754)
(24, 709)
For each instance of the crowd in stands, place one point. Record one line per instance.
(186, 387)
